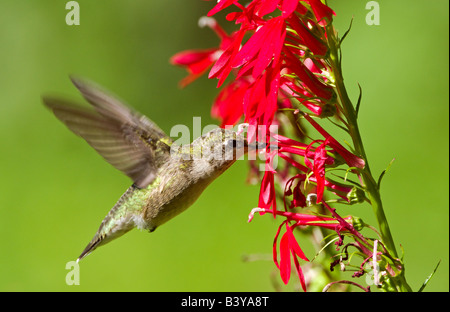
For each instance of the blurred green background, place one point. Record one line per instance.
(55, 190)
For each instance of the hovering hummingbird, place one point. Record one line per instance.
(166, 180)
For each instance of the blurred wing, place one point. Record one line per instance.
(127, 140)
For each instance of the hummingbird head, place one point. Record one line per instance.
(217, 150)
(222, 145)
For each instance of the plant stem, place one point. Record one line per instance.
(350, 114)
(370, 183)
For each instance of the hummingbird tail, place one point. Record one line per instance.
(101, 239)
(90, 247)
(117, 222)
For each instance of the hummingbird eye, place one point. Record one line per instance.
(232, 143)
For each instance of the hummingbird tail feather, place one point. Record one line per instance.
(90, 247)
(117, 222)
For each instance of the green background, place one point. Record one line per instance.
(55, 190)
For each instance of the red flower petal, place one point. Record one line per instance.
(307, 78)
(265, 45)
(188, 57)
(301, 277)
(274, 248)
(323, 13)
(293, 244)
(228, 105)
(351, 159)
(251, 47)
(320, 157)
(288, 7)
(314, 44)
(267, 193)
(273, 44)
(267, 6)
(293, 162)
(285, 259)
(298, 199)
(222, 68)
(222, 4)
(195, 61)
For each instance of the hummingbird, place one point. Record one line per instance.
(167, 178)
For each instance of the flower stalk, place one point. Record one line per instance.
(353, 129)
(286, 62)
(370, 184)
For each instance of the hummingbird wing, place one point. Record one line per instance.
(126, 139)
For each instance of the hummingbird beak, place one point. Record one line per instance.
(258, 146)
(254, 146)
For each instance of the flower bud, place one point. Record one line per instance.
(357, 223)
(356, 195)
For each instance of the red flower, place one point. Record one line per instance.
(262, 48)
(288, 7)
(197, 62)
(248, 17)
(298, 198)
(263, 57)
(315, 161)
(286, 145)
(222, 4)
(262, 7)
(306, 37)
(306, 77)
(318, 167)
(351, 159)
(228, 103)
(299, 191)
(290, 88)
(323, 13)
(267, 196)
(261, 99)
(288, 245)
(345, 192)
(285, 60)
(288, 242)
(302, 219)
(222, 67)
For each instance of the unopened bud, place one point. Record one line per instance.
(358, 223)
(356, 195)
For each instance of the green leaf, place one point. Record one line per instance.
(346, 33)
(382, 174)
(359, 100)
(429, 277)
(326, 245)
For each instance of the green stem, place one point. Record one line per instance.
(370, 183)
